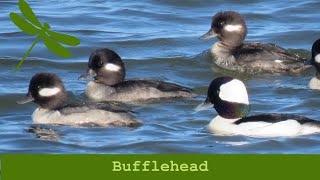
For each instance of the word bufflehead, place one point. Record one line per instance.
(108, 71)
(315, 61)
(230, 99)
(232, 53)
(47, 90)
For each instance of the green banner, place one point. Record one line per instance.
(46, 167)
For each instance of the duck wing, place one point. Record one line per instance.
(269, 57)
(84, 107)
(275, 118)
(148, 83)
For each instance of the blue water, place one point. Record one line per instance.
(156, 39)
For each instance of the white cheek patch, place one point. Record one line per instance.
(234, 91)
(112, 67)
(317, 58)
(278, 61)
(47, 92)
(232, 28)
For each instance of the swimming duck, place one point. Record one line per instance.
(231, 52)
(109, 84)
(229, 98)
(48, 91)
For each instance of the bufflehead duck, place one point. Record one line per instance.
(109, 72)
(232, 53)
(315, 60)
(47, 90)
(230, 99)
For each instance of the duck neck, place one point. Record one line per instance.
(110, 78)
(230, 110)
(53, 103)
(224, 53)
(229, 48)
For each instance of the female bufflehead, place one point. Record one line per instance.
(232, 53)
(315, 60)
(230, 99)
(48, 91)
(108, 71)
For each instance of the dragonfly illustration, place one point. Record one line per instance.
(51, 39)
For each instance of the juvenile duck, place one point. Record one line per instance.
(231, 52)
(48, 91)
(109, 84)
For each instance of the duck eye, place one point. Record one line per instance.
(100, 63)
(221, 24)
(38, 87)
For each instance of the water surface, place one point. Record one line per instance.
(156, 39)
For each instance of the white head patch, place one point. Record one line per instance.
(317, 58)
(47, 92)
(234, 91)
(278, 61)
(112, 67)
(232, 28)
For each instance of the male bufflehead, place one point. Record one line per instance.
(47, 90)
(315, 61)
(232, 53)
(230, 99)
(108, 71)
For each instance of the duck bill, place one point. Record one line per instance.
(204, 105)
(209, 34)
(28, 98)
(87, 74)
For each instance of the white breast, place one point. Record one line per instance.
(314, 83)
(98, 92)
(45, 116)
(222, 56)
(285, 128)
(100, 117)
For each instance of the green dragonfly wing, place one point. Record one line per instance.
(64, 38)
(23, 24)
(28, 13)
(56, 47)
